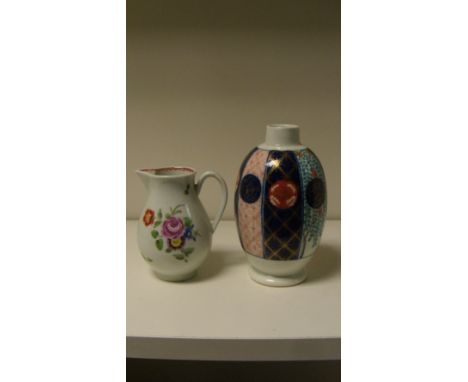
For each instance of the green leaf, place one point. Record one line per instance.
(168, 250)
(159, 244)
(159, 214)
(187, 251)
(157, 223)
(154, 233)
(187, 221)
(168, 216)
(177, 209)
(179, 256)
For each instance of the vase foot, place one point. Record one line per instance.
(277, 281)
(175, 278)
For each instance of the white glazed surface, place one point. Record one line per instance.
(166, 192)
(282, 136)
(278, 272)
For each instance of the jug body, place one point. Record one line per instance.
(174, 232)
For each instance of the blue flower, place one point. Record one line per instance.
(188, 233)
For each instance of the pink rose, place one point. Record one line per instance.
(173, 228)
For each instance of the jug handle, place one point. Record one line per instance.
(224, 193)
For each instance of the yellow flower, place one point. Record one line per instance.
(176, 243)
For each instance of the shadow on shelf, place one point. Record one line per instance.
(216, 263)
(326, 263)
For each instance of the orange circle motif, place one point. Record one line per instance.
(283, 194)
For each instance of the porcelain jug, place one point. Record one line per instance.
(174, 232)
(280, 207)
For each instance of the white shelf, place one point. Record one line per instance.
(222, 314)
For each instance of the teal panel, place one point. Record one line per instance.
(315, 198)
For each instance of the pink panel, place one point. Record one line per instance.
(250, 219)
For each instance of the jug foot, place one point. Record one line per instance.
(175, 278)
(277, 281)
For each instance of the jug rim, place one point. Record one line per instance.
(168, 171)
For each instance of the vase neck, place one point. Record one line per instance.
(282, 137)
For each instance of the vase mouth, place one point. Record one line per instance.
(282, 136)
(283, 126)
(168, 172)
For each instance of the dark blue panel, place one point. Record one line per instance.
(250, 188)
(315, 193)
(282, 207)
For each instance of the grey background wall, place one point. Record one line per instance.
(205, 77)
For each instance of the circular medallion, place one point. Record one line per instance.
(250, 188)
(315, 193)
(283, 194)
